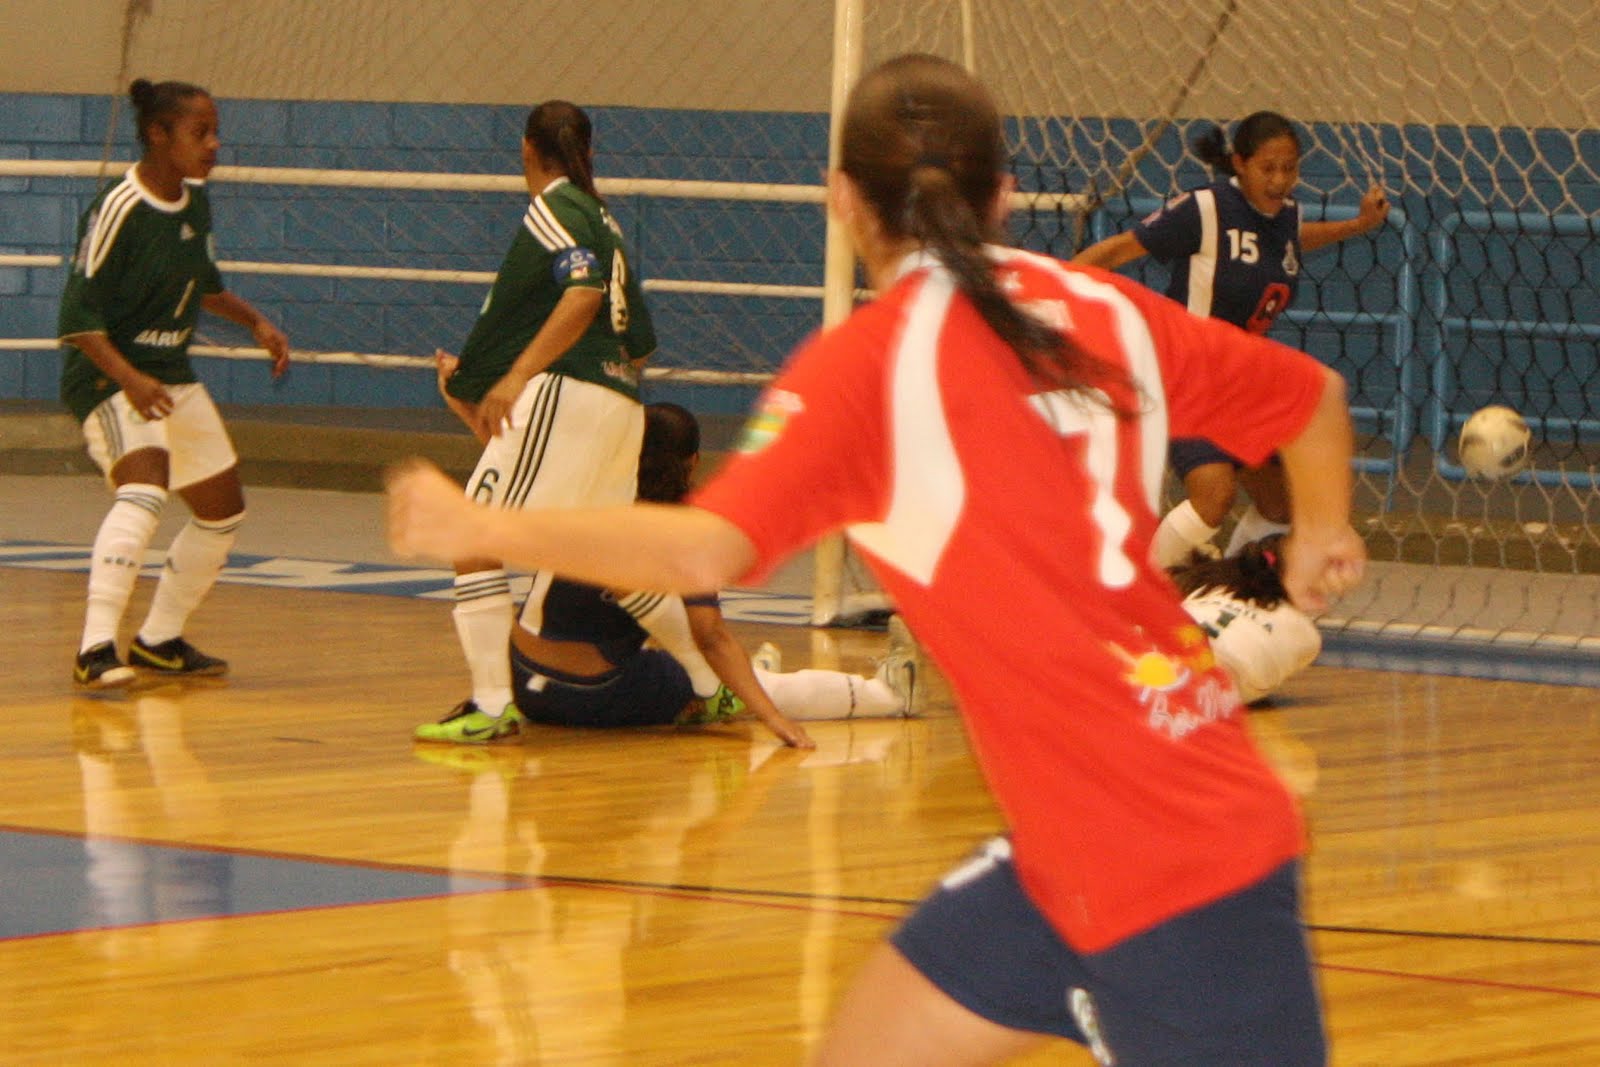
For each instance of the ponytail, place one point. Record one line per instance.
(1211, 148)
(922, 141)
(946, 224)
(562, 135)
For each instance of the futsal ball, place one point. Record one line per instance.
(1494, 443)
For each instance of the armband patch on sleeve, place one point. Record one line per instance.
(575, 265)
(772, 414)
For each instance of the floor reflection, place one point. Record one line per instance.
(550, 974)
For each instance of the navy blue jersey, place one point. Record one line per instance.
(1228, 260)
(574, 611)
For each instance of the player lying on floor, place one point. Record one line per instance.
(581, 659)
(1261, 638)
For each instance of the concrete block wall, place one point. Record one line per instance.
(1502, 273)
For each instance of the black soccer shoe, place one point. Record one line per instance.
(177, 657)
(101, 668)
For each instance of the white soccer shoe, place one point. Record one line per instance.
(767, 658)
(898, 669)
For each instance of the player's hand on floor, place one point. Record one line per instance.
(428, 516)
(789, 732)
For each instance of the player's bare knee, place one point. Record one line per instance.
(216, 499)
(146, 466)
(1212, 501)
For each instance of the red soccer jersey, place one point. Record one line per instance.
(1012, 528)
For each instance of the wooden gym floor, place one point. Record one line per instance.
(267, 870)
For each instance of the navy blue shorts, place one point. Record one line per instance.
(1187, 453)
(1226, 984)
(650, 689)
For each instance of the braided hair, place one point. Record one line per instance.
(562, 135)
(922, 141)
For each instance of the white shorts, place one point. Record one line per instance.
(571, 444)
(193, 436)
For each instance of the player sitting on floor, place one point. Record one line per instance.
(582, 661)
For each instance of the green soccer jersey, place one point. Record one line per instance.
(567, 239)
(141, 268)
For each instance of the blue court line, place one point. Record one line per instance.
(383, 579)
(54, 882)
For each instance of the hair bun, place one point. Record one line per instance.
(1211, 148)
(141, 89)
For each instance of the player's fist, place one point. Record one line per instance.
(1320, 566)
(428, 516)
(1374, 208)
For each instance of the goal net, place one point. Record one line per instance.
(370, 186)
(1479, 119)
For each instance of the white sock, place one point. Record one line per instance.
(194, 559)
(1182, 530)
(664, 618)
(118, 552)
(1252, 526)
(483, 624)
(814, 694)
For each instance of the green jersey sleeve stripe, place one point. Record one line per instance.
(544, 225)
(114, 211)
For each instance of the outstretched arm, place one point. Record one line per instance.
(1113, 252)
(1374, 210)
(665, 547)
